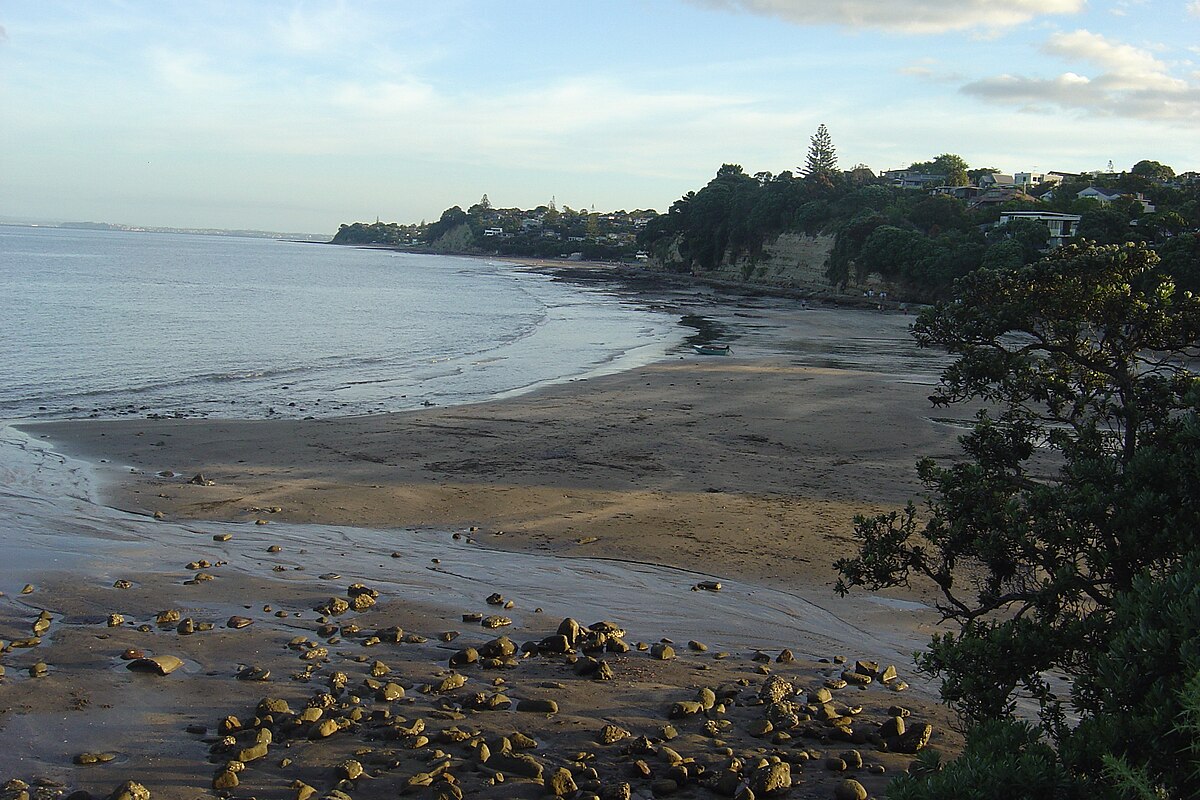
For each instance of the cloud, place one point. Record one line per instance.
(1128, 82)
(3, 35)
(1194, 8)
(917, 16)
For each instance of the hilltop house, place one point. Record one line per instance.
(907, 179)
(1061, 226)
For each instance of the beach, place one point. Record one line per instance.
(745, 470)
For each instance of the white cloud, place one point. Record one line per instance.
(1128, 82)
(1194, 8)
(916, 16)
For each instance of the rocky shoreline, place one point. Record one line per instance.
(354, 695)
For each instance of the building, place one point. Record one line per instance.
(1061, 226)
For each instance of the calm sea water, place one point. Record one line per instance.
(100, 323)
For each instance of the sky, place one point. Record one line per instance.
(298, 116)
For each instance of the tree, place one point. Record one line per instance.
(947, 164)
(1080, 474)
(1153, 170)
(822, 159)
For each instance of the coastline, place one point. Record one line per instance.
(746, 469)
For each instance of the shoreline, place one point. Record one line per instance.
(747, 468)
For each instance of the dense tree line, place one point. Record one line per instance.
(1066, 539)
(919, 241)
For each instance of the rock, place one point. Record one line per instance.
(820, 696)
(617, 791)
(853, 759)
(699, 647)
(349, 769)
(521, 764)
(685, 708)
(333, 607)
(122, 584)
(709, 586)
(168, 617)
(115, 620)
(323, 729)
(130, 790)
(162, 665)
(661, 651)
(776, 688)
(611, 734)
(912, 740)
(771, 778)
(238, 622)
(254, 673)
(449, 683)
(495, 599)
(222, 537)
(894, 726)
(561, 783)
(850, 789)
(39, 670)
(856, 678)
(863, 667)
(361, 602)
(785, 657)
(495, 621)
(538, 706)
(87, 759)
(887, 674)
(199, 480)
(555, 645)
(226, 779)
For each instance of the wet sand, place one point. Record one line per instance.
(746, 470)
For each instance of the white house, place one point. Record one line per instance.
(1061, 226)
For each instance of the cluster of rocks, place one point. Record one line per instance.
(471, 726)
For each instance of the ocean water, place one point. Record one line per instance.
(108, 324)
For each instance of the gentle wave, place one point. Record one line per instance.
(113, 323)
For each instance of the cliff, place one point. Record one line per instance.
(791, 260)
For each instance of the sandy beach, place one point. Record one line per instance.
(745, 469)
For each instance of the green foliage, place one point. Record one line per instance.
(948, 164)
(451, 218)
(821, 163)
(1141, 694)
(1152, 170)
(1079, 474)
(1067, 539)
(375, 233)
(1003, 760)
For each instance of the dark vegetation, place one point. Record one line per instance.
(542, 232)
(1066, 541)
(918, 241)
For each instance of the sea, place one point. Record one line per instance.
(126, 323)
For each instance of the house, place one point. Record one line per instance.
(990, 180)
(493, 231)
(999, 195)
(907, 179)
(1102, 196)
(1061, 226)
(1032, 180)
(1105, 197)
(959, 192)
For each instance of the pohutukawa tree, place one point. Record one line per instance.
(1080, 477)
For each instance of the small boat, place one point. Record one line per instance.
(712, 349)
